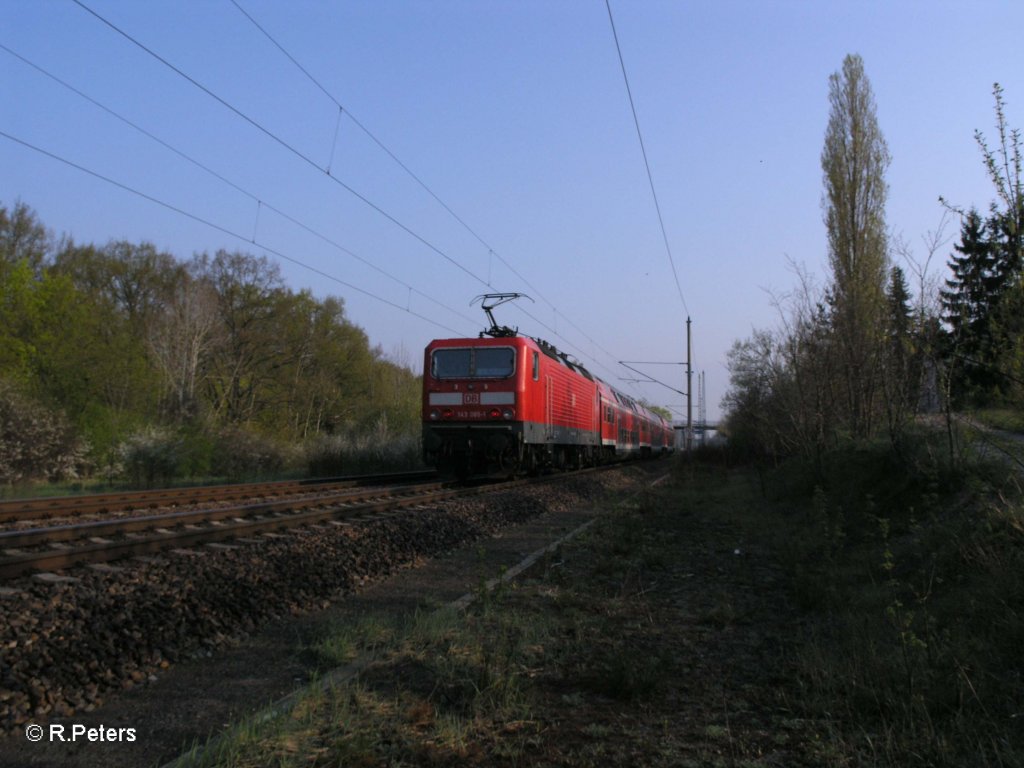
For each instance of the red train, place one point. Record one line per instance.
(512, 403)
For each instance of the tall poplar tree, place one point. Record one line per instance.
(854, 161)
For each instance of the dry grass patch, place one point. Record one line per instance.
(659, 637)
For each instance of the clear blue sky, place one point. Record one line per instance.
(515, 114)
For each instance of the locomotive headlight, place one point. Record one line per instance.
(448, 413)
(435, 415)
(508, 413)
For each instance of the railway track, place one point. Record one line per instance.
(57, 547)
(102, 624)
(21, 510)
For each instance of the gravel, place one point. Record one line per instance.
(66, 645)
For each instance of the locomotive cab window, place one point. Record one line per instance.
(473, 363)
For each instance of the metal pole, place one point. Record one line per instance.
(689, 391)
(702, 409)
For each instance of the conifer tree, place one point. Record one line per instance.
(982, 299)
(901, 370)
(969, 295)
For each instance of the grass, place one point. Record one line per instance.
(865, 611)
(1009, 419)
(911, 577)
(588, 662)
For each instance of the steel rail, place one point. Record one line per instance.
(125, 525)
(69, 506)
(59, 559)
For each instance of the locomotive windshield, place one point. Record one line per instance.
(473, 363)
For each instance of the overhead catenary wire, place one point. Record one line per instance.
(270, 134)
(299, 154)
(650, 378)
(647, 164)
(308, 161)
(260, 204)
(220, 177)
(378, 142)
(348, 113)
(219, 228)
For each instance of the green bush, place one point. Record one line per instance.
(36, 443)
(151, 457)
(912, 581)
(353, 453)
(240, 454)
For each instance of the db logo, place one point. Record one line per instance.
(471, 398)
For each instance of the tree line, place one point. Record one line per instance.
(983, 300)
(858, 357)
(122, 359)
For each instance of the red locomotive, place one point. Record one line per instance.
(512, 403)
